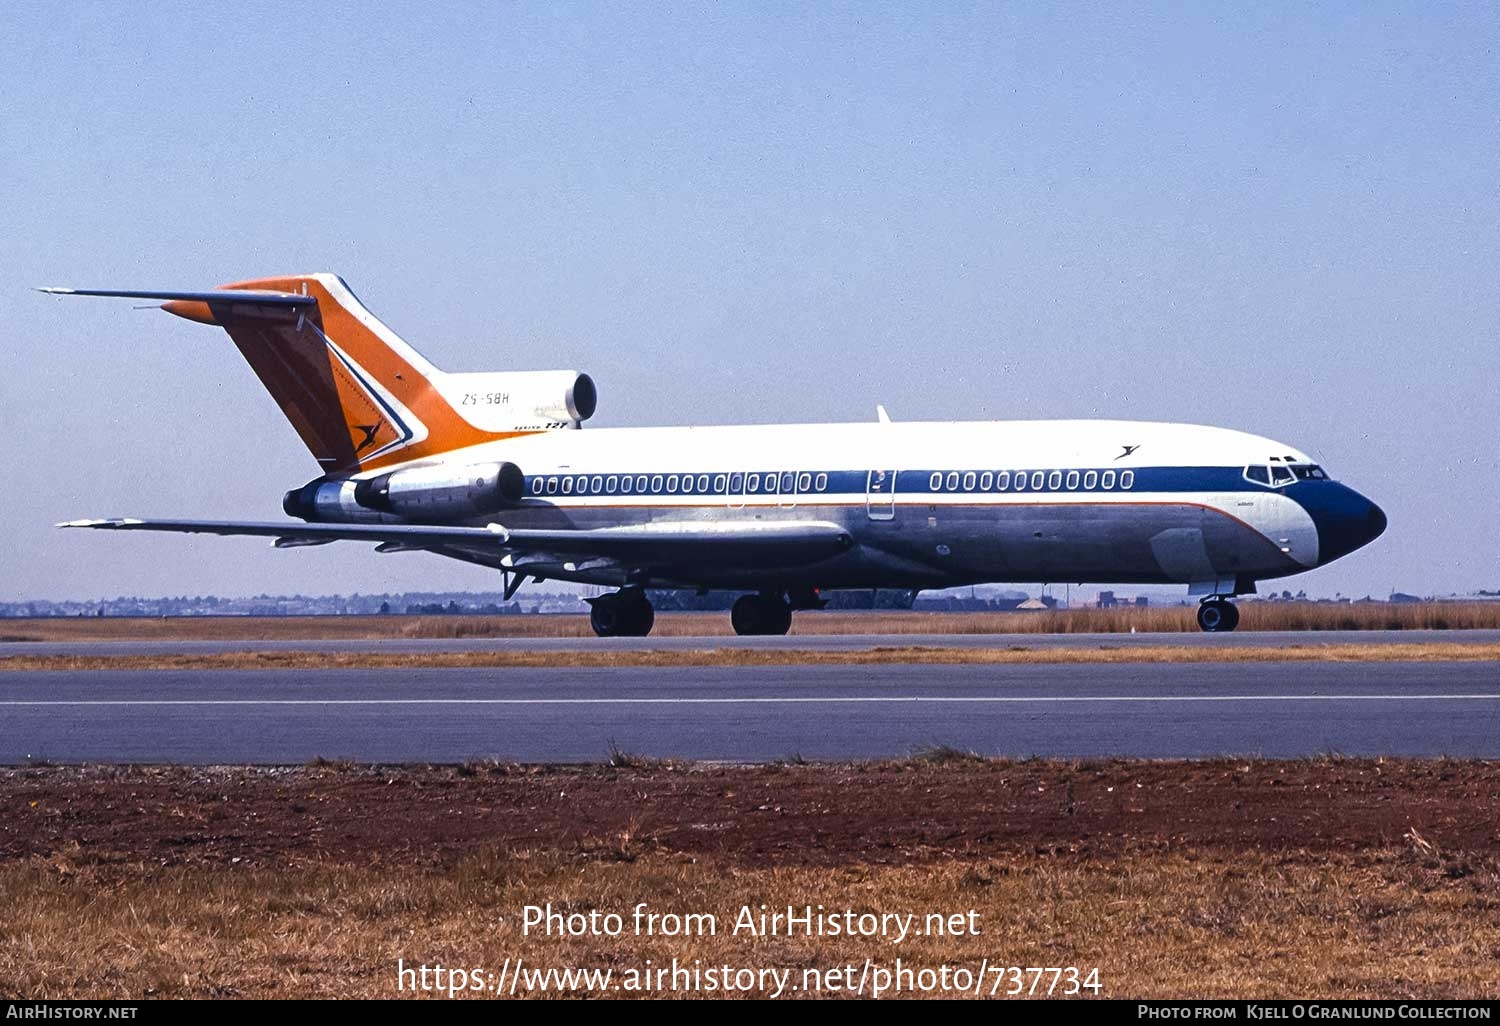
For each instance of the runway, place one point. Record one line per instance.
(806, 642)
(752, 714)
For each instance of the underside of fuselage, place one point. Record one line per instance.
(929, 546)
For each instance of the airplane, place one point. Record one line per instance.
(492, 468)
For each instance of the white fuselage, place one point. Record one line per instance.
(933, 504)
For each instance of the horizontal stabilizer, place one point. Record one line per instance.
(258, 296)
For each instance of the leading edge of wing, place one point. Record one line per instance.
(790, 540)
(409, 533)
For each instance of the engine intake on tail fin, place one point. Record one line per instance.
(520, 400)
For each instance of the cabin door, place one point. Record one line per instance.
(880, 495)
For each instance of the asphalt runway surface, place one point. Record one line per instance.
(752, 714)
(805, 642)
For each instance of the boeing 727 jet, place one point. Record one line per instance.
(492, 468)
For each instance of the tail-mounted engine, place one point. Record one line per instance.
(521, 400)
(434, 494)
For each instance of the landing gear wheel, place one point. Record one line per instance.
(604, 615)
(1218, 615)
(622, 614)
(761, 614)
(640, 617)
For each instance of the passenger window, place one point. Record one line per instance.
(596, 485)
(567, 485)
(1037, 478)
(1108, 480)
(625, 483)
(985, 480)
(551, 486)
(753, 483)
(656, 483)
(1090, 479)
(671, 482)
(1127, 479)
(951, 483)
(821, 483)
(537, 485)
(703, 483)
(787, 480)
(1002, 480)
(640, 484)
(1020, 482)
(719, 484)
(1072, 480)
(969, 480)
(935, 483)
(804, 482)
(611, 485)
(1054, 480)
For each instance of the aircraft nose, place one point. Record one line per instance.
(1345, 520)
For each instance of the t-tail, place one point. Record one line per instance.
(357, 394)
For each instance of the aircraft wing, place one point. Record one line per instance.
(780, 543)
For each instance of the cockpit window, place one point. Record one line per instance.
(1278, 475)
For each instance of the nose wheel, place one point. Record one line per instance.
(622, 614)
(1217, 615)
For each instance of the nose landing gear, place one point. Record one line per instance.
(1218, 614)
(626, 613)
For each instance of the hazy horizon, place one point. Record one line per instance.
(1275, 219)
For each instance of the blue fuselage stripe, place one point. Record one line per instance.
(907, 482)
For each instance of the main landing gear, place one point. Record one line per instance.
(761, 614)
(1218, 614)
(626, 613)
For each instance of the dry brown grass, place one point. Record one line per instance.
(1256, 616)
(1328, 877)
(879, 655)
(1157, 923)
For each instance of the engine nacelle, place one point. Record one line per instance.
(431, 494)
(520, 400)
(324, 501)
(444, 492)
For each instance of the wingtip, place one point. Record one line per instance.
(53, 290)
(99, 522)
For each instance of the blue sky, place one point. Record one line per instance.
(1281, 218)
